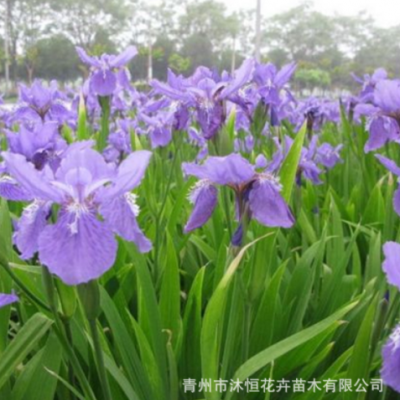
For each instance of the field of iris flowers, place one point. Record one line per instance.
(210, 237)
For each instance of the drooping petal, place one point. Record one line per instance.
(86, 159)
(31, 224)
(7, 299)
(120, 213)
(267, 204)
(123, 58)
(311, 171)
(31, 180)
(389, 164)
(124, 78)
(261, 161)
(78, 247)
(10, 190)
(391, 265)
(232, 169)
(387, 95)
(284, 74)
(241, 77)
(103, 82)
(396, 201)
(391, 360)
(381, 130)
(204, 197)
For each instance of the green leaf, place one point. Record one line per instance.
(126, 348)
(360, 360)
(212, 324)
(5, 280)
(291, 163)
(191, 329)
(25, 341)
(170, 294)
(35, 382)
(82, 131)
(275, 351)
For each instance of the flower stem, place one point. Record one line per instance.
(89, 294)
(22, 286)
(159, 215)
(105, 122)
(100, 360)
(63, 337)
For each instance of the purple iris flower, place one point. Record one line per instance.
(41, 103)
(108, 70)
(79, 246)
(369, 82)
(7, 299)
(40, 144)
(159, 128)
(309, 110)
(119, 141)
(271, 81)
(307, 166)
(390, 266)
(391, 351)
(271, 84)
(210, 97)
(384, 123)
(327, 155)
(391, 360)
(257, 194)
(207, 93)
(245, 145)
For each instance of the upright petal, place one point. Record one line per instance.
(123, 58)
(87, 159)
(241, 77)
(204, 197)
(268, 206)
(78, 248)
(284, 74)
(86, 59)
(120, 213)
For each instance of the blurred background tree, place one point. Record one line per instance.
(183, 34)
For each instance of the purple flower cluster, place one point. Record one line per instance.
(256, 193)
(379, 101)
(78, 199)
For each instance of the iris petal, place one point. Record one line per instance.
(78, 247)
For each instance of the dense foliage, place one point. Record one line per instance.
(214, 228)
